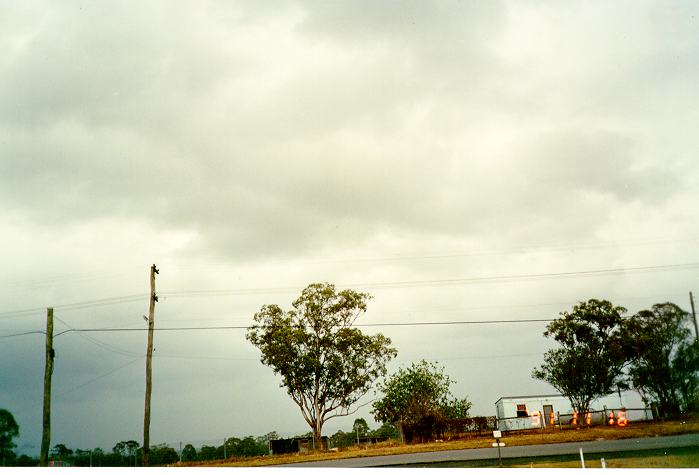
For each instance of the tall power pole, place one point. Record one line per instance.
(48, 372)
(694, 317)
(149, 365)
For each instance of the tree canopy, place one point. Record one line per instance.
(325, 364)
(9, 429)
(589, 361)
(664, 360)
(415, 394)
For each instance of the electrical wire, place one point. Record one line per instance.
(95, 341)
(78, 305)
(442, 282)
(373, 285)
(245, 327)
(86, 383)
(33, 332)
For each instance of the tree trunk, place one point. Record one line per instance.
(401, 431)
(317, 437)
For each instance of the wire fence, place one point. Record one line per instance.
(620, 417)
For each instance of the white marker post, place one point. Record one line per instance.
(497, 435)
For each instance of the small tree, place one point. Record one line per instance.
(360, 427)
(207, 452)
(326, 365)
(9, 429)
(386, 430)
(590, 359)
(126, 449)
(415, 395)
(664, 360)
(161, 454)
(189, 453)
(62, 453)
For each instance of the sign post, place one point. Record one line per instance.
(497, 435)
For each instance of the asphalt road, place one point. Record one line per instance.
(687, 440)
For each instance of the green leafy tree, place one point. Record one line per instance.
(26, 461)
(415, 394)
(360, 427)
(456, 408)
(9, 429)
(664, 360)
(263, 441)
(127, 449)
(207, 452)
(386, 430)
(97, 457)
(325, 364)
(342, 439)
(62, 453)
(189, 453)
(589, 361)
(248, 447)
(82, 458)
(162, 454)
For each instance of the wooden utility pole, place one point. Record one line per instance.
(149, 365)
(48, 372)
(694, 317)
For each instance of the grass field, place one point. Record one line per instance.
(548, 436)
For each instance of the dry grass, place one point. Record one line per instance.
(686, 457)
(547, 436)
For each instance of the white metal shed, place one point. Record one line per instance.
(520, 412)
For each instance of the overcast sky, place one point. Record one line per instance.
(255, 145)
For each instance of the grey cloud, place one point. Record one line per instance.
(576, 163)
(167, 116)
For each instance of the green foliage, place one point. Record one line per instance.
(9, 429)
(360, 427)
(126, 448)
(61, 452)
(189, 453)
(343, 439)
(162, 455)
(325, 364)
(26, 461)
(418, 397)
(588, 364)
(456, 408)
(207, 452)
(412, 393)
(664, 360)
(386, 430)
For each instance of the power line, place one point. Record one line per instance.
(99, 343)
(79, 305)
(374, 285)
(114, 370)
(443, 282)
(33, 332)
(245, 327)
(571, 246)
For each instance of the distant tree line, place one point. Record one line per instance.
(127, 453)
(360, 431)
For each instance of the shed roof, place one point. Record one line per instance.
(530, 397)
